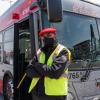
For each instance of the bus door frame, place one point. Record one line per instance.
(33, 28)
(15, 68)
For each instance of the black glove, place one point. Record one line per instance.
(31, 72)
(31, 62)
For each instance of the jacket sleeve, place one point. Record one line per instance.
(60, 63)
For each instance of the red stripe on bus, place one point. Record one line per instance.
(1, 86)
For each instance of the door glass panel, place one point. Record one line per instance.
(24, 45)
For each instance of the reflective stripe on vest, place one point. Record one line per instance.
(53, 86)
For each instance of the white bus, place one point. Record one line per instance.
(78, 28)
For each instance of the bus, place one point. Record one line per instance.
(78, 28)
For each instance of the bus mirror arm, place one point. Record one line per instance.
(34, 5)
(39, 3)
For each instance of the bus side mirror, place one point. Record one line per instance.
(54, 10)
(52, 7)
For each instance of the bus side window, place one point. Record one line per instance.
(1, 47)
(8, 46)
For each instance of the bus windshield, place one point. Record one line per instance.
(75, 33)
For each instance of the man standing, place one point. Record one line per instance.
(49, 69)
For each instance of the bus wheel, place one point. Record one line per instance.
(8, 88)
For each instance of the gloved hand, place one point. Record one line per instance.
(31, 72)
(31, 63)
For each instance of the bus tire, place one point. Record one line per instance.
(8, 87)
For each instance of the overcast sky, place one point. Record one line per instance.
(5, 4)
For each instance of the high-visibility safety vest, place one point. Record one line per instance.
(53, 86)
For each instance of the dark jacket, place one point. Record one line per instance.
(41, 70)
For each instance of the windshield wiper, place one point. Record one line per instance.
(87, 73)
(93, 47)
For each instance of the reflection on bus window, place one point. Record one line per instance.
(1, 47)
(24, 45)
(75, 33)
(9, 35)
(0, 38)
(0, 53)
(8, 46)
(8, 53)
(81, 50)
(97, 58)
